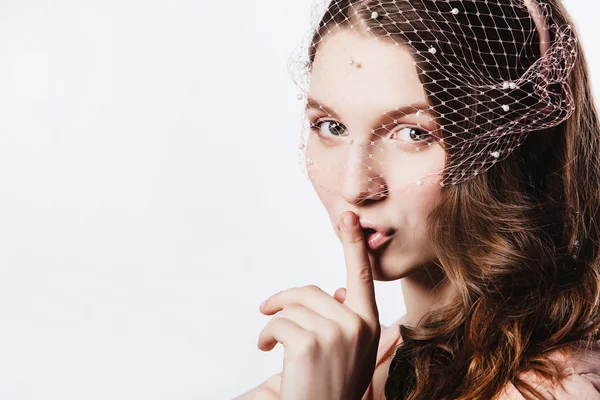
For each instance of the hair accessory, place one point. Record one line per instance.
(495, 75)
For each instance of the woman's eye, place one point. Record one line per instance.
(329, 128)
(409, 134)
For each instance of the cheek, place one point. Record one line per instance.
(426, 200)
(325, 196)
(417, 209)
(406, 168)
(329, 201)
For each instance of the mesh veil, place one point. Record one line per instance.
(492, 71)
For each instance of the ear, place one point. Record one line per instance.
(540, 22)
(545, 67)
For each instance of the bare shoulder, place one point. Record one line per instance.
(582, 381)
(573, 387)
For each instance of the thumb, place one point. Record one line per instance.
(340, 295)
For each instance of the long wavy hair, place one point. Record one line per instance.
(519, 243)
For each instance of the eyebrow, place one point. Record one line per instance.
(399, 112)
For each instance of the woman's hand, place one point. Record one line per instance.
(269, 389)
(330, 342)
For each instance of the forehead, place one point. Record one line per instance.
(383, 75)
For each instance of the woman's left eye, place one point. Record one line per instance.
(414, 135)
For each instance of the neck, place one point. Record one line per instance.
(423, 291)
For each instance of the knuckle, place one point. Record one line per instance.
(354, 239)
(275, 321)
(358, 328)
(271, 325)
(332, 334)
(312, 288)
(307, 347)
(364, 273)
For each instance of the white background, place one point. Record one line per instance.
(151, 198)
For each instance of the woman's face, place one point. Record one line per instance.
(354, 110)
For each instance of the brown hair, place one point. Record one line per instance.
(519, 243)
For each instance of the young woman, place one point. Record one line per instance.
(463, 139)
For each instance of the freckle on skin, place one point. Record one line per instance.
(358, 65)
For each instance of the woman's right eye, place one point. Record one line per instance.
(328, 128)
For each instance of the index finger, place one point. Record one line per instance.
(360, 290)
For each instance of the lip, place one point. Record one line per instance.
(384, 230)
(376, 240)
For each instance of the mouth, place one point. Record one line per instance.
(375, 235)
(375, 239)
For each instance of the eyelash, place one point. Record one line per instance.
(314, 126)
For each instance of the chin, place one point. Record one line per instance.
(388, 267)
(385, 269)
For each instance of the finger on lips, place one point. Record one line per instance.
(308, 314)
(360, 291)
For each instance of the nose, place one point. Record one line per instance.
(362, 179)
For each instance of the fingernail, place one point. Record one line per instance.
(262, 305)
(349, 220)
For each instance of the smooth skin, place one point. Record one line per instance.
(330, 342)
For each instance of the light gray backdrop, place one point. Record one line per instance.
(150, 195)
